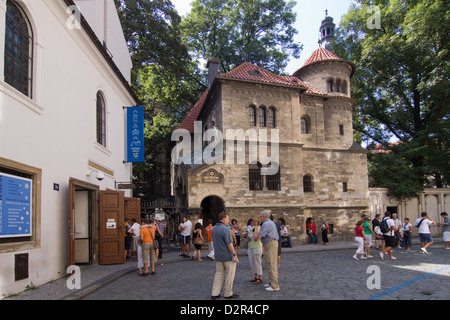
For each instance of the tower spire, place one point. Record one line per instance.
(327, 31)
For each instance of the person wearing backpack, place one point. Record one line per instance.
(388, 228)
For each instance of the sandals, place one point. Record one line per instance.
(258, 281)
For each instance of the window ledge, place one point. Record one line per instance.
(20, 98)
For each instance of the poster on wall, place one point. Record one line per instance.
(15, 206)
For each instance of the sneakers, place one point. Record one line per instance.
(355, 257)
(424, 250)
(270, 289)
(382, 255)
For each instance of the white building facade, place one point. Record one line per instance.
(64, 83)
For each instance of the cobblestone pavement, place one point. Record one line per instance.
(307, 273)
(326, 275)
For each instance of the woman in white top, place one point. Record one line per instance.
(407, 234)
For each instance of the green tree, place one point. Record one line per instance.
(166, 81)
(401, 88)
(237, 31)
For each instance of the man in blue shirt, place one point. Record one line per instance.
(269, 237)
(225, 256)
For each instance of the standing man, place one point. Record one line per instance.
(185, 228)
(388, 235)
(268, 234)
(423, 224)
(225, 256)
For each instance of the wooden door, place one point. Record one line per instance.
(133, 209)
(112, 244)
(71, 226)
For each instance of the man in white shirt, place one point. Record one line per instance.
(185, 236)
(423, 224)
(389, 237)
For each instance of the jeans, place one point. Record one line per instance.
(407, 238)
(313, 238)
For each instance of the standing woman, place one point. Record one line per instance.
(407, 234)
(325, 227)
(255, 251)
(198, 241)
(360, 238)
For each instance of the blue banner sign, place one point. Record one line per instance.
(135, 134)
(15, 206)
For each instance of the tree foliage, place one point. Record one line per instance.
(401, 88)
(237, 31)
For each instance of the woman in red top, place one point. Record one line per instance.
(360, 238)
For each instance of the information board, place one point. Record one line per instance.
(15, 206)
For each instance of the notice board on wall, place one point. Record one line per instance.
(15, 206)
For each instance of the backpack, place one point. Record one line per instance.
(384, 227)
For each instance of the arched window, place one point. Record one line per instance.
(338, 85)
(252, 116)
(305, 125)
(308, 184)
(273, 181)
(254, 176)
(262, 116)
(101, 119)
(18, 49)
(330, 85)
(271, 120)
(345, 87)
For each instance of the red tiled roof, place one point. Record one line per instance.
(250, 72)
(321, 54)
(188, 122)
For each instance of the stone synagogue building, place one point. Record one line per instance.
(311, 168)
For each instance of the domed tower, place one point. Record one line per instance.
(329, 74)
(327, 32)
(324, 70)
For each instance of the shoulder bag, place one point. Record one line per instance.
(155, 243)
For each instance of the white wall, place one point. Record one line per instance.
(56, 131)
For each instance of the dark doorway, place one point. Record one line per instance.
(211, 207)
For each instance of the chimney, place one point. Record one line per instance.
(213, 67)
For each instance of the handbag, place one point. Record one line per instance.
(155, 243)
(198, 241)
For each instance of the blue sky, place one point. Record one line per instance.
(309, 16)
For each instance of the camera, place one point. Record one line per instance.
(100, 176)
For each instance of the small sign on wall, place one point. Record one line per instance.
(111, 224)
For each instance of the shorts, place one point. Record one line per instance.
(390, 241)
(446, 236)
(369, 240)
(185, 239)
(148, 253)
(425, 237)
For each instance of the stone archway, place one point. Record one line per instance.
(211, 207)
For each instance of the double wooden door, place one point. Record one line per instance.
(108, 232)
